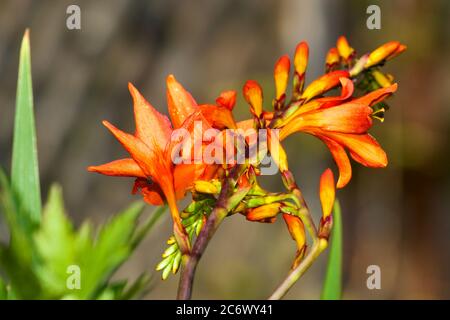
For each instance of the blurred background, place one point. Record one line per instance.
(397, 218)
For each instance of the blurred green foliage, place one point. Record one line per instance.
(46, 257)
(39, 265)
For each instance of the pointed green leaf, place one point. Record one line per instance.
(113, 245)
(24, 166)
(55, 245)
(16, 258)
(332, 289)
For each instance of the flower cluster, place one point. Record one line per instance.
(340, 120)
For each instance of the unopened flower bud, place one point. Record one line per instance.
(327, 192)
(401, 48)
(381, 79)
(344, 49)
(205, 187)
(264, 213)
(296, 229)
(300, 65)
(384, 52)
(281, 75)
(332, 59)
(301, 58)
(254, 96)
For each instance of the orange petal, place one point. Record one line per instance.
(227, 99)
(301, 58)
(245, 124)
(289, 117)
(345, 118)
(156, 164)
(326, 102)
(342, 161)
(119, 168)
(348, 118)
(179, 101)
(296, 229)
(184, 175)
(210, 172)
(195, 136)
(138, 150)
(191, 121)
(281, 75)
(151, 192)
(346, 92)
(327, 192)
(323, 84)
(218, 117)
(363, 148)
(401, 48)
(376, 96)
(151, 126)
(344, 49)
(276, 150)
(254, 96)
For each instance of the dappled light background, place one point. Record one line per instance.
(397, 218)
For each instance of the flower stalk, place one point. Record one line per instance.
(316, 249)
(228, 199)
(222, 185)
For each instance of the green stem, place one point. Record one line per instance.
(303, 212)
(295, 274)
(226, 202)
(318, 244)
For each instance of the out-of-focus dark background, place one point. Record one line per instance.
(397, 218)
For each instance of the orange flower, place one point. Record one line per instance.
(150, 161)
(157, 178)
(387, 51)
(342, 123)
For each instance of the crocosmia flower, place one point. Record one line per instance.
(222, 185)
(158, 179)
(342, 123)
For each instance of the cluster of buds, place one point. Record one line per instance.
(340, 121)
